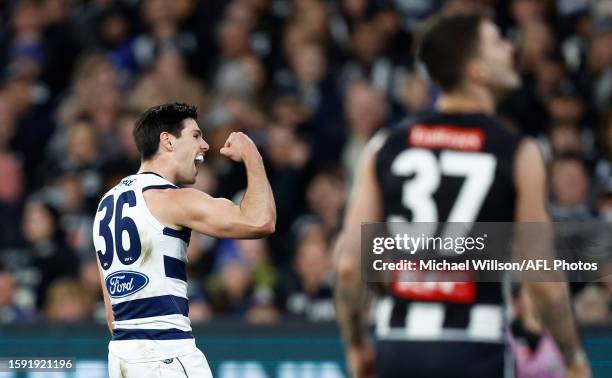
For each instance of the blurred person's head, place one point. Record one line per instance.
(40, 222)
(290, 111)
(536, 41)
(258, 6)
(92, 74)
(365, 109)
(82, 145)
(68, 301)
(278, 146)
(284, 148)
(72, 195)
(312, 263)
(367, 42)
(312, 16)
(170, 135)
(199, 311)
(355, 9)
(569, 181)
(525, 11)
(592, 305)
(565, 139)
(549, 72)
(309, 64)
(169, 64)
(105, 111)
(234, 39)
(599, 56)
(235, 278)
(415, 93)
(462, 50)
(254, 251)
(241, 12)
(326, 195)
(56, 11)
(18, 92)
(125, 129)
(89, 276)
(565, 105)
(308, 228)
(113, 25)
(294, 37)
(157, 12)
(27, 18)
(11, 171)
(240, 77)
(388, 21)
(182, 10)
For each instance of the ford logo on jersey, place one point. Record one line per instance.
(123, 283)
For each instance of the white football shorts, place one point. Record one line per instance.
(190, 365)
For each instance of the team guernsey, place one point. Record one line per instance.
(446, 168)
(143, 264)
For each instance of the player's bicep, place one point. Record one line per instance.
(217, 217)
(530, 180)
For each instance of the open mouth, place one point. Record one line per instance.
(199, 159)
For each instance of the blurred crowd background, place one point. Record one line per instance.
(310, 81)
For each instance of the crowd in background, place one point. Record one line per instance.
(309, 80)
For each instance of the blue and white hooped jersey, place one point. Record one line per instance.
(143, 263)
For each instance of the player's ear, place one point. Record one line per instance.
(165, 141)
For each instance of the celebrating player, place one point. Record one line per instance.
(141, 231)
(456, 164)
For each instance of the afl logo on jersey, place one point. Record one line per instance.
(123, 283)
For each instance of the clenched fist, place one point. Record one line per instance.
(239, 147)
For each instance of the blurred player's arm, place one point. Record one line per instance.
(551, 299)
(255, 217)
(350, 290)
(107, 303)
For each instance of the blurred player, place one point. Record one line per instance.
(141, 232)
(456, 164)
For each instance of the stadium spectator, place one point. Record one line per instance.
(365, 112)
(10, 311)
(325, 196)
(570, 188)
(47, 257)
(308, 290)
(68, 302)
(244, 283)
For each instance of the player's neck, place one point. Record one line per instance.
(467, 100)
(159, 167)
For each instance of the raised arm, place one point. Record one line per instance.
(255, 217)
(551, 299)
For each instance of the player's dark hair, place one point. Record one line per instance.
(447, 42)
(154, 121)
